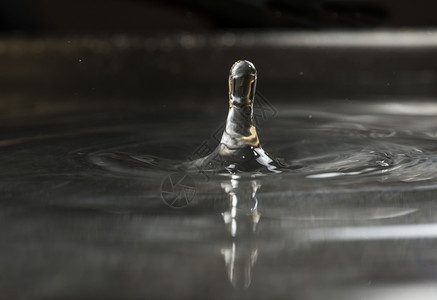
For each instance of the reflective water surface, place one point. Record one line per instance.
(94, 205)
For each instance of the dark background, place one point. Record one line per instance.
(155, 17)
(62, 55)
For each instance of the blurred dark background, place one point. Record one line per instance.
(64, 55)
(152, 17)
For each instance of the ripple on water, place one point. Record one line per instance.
(336, 152)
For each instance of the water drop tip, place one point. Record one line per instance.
(243, 68)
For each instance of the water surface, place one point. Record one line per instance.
(101, 193)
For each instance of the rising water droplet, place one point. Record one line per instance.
(239, 148)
